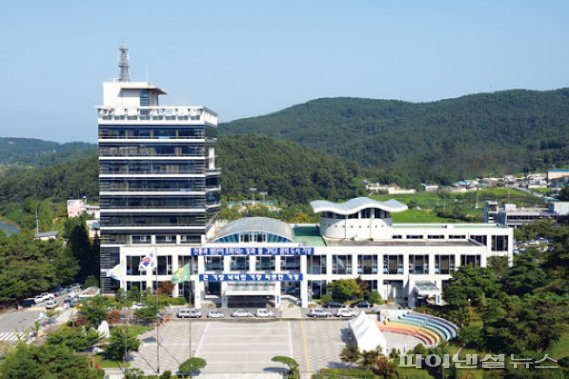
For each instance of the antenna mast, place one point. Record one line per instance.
(123, 64)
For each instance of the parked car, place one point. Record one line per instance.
(29, 302)
(189, 313)
(241, 313)
(333, 304)
(345, 312)
(264, 313)
(319, 312)
(215, 314)
(50, 304)
(364, 304)
(40, 298)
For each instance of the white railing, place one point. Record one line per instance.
(166, 113)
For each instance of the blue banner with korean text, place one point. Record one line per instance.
(250, 277)
(225, 251)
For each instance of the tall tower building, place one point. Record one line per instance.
(159, 186)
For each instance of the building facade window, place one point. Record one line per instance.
(265, 263)
(213, 263)
(482, 239)
(499, 243)
(316, 264)
(185, 259)
(290, 263)
(444, 264)
(316, 288)
(164, 264)
(341, 264)
(418, 264)
(239, 263)
(470, 260)
(367, 264)
(132, 263)
(393, 264)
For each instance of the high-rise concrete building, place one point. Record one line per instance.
(159, 185)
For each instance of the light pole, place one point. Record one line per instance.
(253, 190)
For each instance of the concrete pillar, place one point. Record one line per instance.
(304, 293)
(252, 266)
(354, 258)
(199, 292)
(278, 286)
(224, 302)
(278, 263)
(226, 264)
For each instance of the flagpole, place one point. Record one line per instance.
(157, 318)
(190, 299)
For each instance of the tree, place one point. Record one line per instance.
(292, 365)
(121, 341)
(191, 365)
(78, 339)
(385, 368)
(95, 309)
(148, 313)
(47, 361)
(350, 354)
(374, 297)
(368, 358)
(29, 266)
(91, 281)
(345, 289)
(564, 194)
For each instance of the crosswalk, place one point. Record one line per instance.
(12, 336)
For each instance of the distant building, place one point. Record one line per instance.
(557, 178)
(391, 189)
(513, 216)
(490, 210)
(44, 236)
(76, 207)
(431, 187)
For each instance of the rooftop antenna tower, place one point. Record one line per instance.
(123, 64)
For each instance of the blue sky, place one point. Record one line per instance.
(246, 58)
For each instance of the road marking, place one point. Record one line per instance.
(305, 347)
(202, 338)
(11, 336)
(290, 349)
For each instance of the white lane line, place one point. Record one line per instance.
(231, 343)
(202, 338)
(290, 350)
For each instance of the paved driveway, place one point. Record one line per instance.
(245, 346)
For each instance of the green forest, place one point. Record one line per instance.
(288, 172)
(475, 135)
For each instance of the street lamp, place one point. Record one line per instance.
(253, 190)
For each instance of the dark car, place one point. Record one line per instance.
(26, 303)
(333, 304)
(363, 304)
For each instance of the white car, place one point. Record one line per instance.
(264, 313)
(345, 312)
(50, 304)
(41, 298)
(215, 314)
(319, 312)
(189, 313)
(241, 313)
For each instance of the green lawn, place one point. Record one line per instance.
(472, 203)
(560, 349)
(107, 363)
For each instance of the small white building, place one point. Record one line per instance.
(76, 207)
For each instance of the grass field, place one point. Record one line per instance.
(423, 204)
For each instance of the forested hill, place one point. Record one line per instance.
(482, 134)
(40, 153)
(286, 170)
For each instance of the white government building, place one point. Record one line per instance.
(262, 258)
(160, 193)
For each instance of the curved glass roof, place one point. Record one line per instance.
(355, 205)
(267, 225)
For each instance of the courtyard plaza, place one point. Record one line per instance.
(245, 347)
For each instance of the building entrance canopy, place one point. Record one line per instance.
(426, 288)
(250, 289)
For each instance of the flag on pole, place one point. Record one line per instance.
(114, 272)
(182, 274)
(148, 262)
